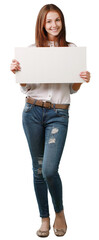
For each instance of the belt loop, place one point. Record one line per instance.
(54, 105)
(34, 101)
(42, 104)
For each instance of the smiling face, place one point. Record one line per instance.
(53, 25)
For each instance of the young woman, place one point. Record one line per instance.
(45, 122)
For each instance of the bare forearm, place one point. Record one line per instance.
(76, 86)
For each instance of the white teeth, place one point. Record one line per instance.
(54, 30)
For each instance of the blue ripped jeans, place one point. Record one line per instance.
(46, 131)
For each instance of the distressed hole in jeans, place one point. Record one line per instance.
(54, 130)
(39, 170)
(52, 140)
(40, 162)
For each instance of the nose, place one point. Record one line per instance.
(53, 24)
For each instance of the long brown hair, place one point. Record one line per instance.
(41, 38)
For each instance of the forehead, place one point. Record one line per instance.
(52, 14)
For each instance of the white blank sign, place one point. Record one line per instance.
(50, 64)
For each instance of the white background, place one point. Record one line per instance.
(19, 216)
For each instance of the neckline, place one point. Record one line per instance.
(52, 43)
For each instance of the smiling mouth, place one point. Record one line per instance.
(54, 30)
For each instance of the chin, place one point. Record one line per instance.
(55, 34)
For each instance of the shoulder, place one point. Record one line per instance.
(32, 45)
(72, 45)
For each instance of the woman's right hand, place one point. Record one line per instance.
(15, 66)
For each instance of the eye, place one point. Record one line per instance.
(58, 19)
(48, 21)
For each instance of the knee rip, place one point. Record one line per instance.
(40, 159)
(40, 162)
(39, 170)
(53, 140)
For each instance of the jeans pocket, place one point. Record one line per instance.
(28, 107)
(61, 112)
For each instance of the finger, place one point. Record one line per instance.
(84, 74)
(15, 61)
(15, 66)
(85, 79)
(12, 70)
(19, 68)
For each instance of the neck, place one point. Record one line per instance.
(52, 38)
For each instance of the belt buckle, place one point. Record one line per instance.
(50, 104)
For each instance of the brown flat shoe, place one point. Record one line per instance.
(59, 232)
(41, 233)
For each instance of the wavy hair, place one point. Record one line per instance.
(41, 39)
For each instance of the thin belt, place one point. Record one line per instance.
(46, 104)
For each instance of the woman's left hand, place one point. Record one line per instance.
(85, 76)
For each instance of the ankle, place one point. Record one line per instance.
(47, 219)
(60, 214)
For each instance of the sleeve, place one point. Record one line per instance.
(72, 45)
(71, 89)
(25, 89)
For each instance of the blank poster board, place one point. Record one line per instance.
(50, 64)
